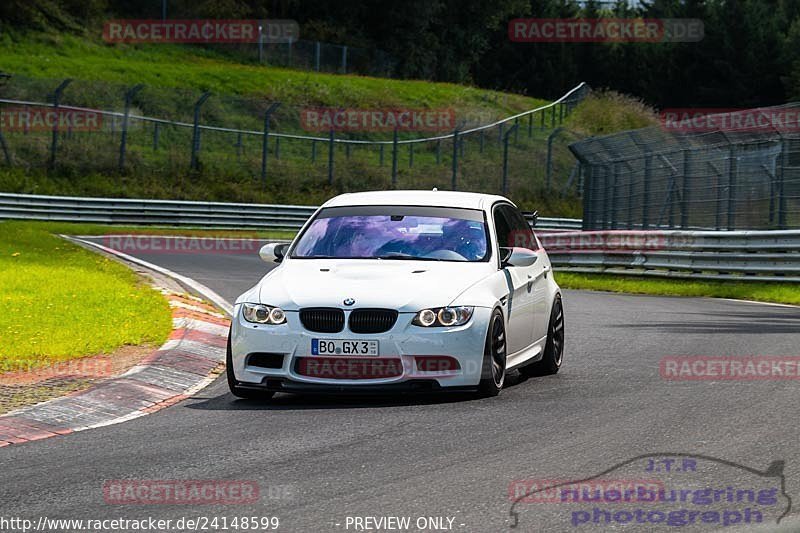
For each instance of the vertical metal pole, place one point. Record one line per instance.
(606, 199)
(317, 52)
(506, 138)
(552, 117)
(394, 159)
(732, 170)
(156, 135)
(530, 125)
(516, 131)
(411, 155)
(265, 143)
(614, 193)
(454, 178)
(781, 174)
(630, 200)
(344, 60)
(686, 188)
(125, 119)
(648, 174)
(163, 9)
(331, 147)
(588, 185)
(196, 130)
(549, 160)
(561, 113)
(56, 102)
(260, 45)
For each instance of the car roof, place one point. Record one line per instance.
(434, 198)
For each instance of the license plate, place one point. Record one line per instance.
(343, 347)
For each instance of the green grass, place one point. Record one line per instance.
(52, 55)
(786, 293)
(60, 302)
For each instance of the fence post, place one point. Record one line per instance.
(156, 135)
(411, 155)
(552, 117)
(516, 131)
(685, 188)
(614, 194)
(56, 102)
(344, 60)
(331, 147)
(260, 44)
(530, 125)
(506, 137)
(125, 118)
(394, 159)
(541, 120)
(454, 178)
(317, 52)
(4, 147)
(265, 142)
(549, 160)
(648, 174)
(196, 130)
(781, 195)
(588, 185)
(732, 170)
(381, 154)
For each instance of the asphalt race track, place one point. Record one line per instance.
(444, 456)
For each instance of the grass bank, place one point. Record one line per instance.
(60, 302)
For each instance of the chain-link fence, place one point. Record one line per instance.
(142, 141)
(743, 175)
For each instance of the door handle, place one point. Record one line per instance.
(546, 268)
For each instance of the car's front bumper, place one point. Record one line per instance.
(290, 342)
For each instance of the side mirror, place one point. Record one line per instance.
(273, 252)
(517, 257)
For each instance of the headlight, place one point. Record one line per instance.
(263, 314)
(443, 316)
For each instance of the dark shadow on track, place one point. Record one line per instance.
(300, 402)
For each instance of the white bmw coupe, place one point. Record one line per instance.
(399, 290)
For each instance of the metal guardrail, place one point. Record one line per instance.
(720, 255)
(178, 213)
(716, 255)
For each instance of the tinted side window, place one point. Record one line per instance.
(502, 226)
(519, 233)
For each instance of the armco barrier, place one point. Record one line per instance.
(177, 213)
(720, 255)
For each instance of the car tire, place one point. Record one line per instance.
(493, 368)
(553, 356)
(236, 390)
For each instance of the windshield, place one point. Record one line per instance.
(395, 233)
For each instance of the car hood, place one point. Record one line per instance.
(407, 286)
